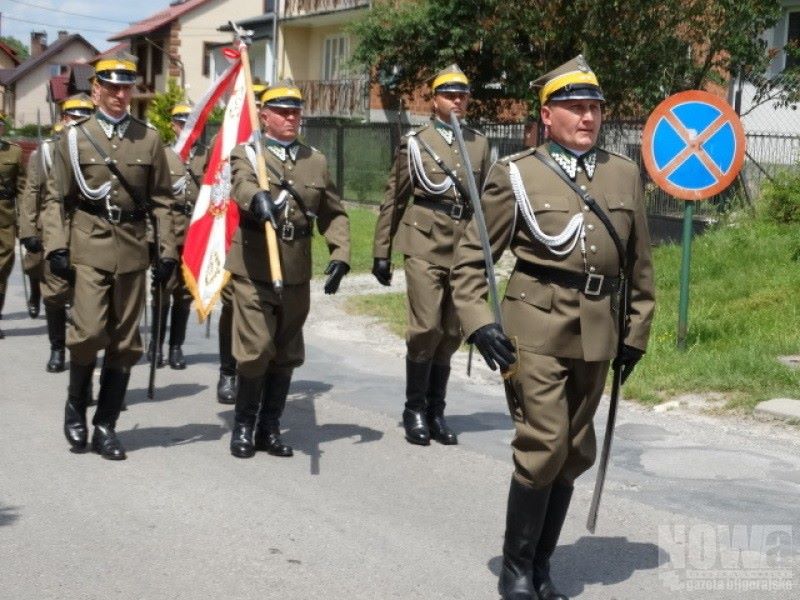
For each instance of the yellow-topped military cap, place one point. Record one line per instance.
(181, 112)
(574, 80)
(120, 69)
(79, 105)
(283, 94)
(450, 79)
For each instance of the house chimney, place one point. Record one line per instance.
(38, 43)
(62, 34)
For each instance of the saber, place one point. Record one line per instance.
(477, 212)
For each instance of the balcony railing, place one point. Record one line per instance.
(299, 8)
(338, 98)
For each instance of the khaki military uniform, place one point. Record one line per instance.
(268, 328)
(12, 184)
(427, 236)
(110, 258)
(56, 291)
(566, 337)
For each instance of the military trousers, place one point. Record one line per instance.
(7, 241)
(33, 264)
(556, 399)
(105, 316)
(434, 331)
(56, 292)
(267, 328)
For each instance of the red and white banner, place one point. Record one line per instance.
(216, 216)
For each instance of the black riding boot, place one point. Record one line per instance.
(557, 506)
(177, 334)
(113, 385)
(162, 333)
(414, 421)
(226, 386)
(268, 427)
(2, 301)
(248, 397)
(437, 390)
(524, 520)
(57, 332)
(35, 299)
(80, 378)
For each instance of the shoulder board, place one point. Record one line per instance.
(419, 129)
(623, 156)
(145, 123)
(473, 130)
(517, 156)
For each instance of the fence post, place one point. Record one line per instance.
(340, 159)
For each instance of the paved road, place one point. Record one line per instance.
(693, 501)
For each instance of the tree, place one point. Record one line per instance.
(17, 46)
(642, 51)
(160, 109)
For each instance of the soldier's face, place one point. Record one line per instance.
(177, 126)
(280, 122)
(111, 98)
(445, 103)
(574, 124)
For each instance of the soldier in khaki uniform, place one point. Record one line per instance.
(12, 183)
(268, 328)
(426, 232)
(105, 246)
(561, 305)
(56, 291)
(187, 178)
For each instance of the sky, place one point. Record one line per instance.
(95, 20)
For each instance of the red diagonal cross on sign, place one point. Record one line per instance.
(694, 145)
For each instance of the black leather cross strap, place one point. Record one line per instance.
(284, 184)
(590, 202)
(590, 284)
(114, 214)
(456, 211)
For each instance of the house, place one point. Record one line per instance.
(765, 118)
(8, 62)
(183, 42)
(26, 86)
(313, 49)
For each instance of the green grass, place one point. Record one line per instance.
(744, 311)
(362, 230)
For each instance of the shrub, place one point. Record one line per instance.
(781, 198)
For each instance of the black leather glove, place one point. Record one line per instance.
(627, 359)
(163, 269)
(335, 270)
(497, 350)
(382, 269)
(32, 244)
(263, 208)
(59, 263)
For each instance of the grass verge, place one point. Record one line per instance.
(743, 314)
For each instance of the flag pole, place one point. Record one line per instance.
(273, 255)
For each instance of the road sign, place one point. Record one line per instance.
(693, 145)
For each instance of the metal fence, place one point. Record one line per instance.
(360, 157)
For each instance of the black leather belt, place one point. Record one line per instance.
(288, 231)
(186, 208)
(456, 211)
(113, 214)
(590, 284)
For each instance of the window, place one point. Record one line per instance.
(208, 48)
(56, 70)
(335, 53)
(792, 37)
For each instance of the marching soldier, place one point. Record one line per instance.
(110, 172)
(57, 291)
(12, 183)
(187, 178)
(267, 327)
(561, 305)
(429, 169)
